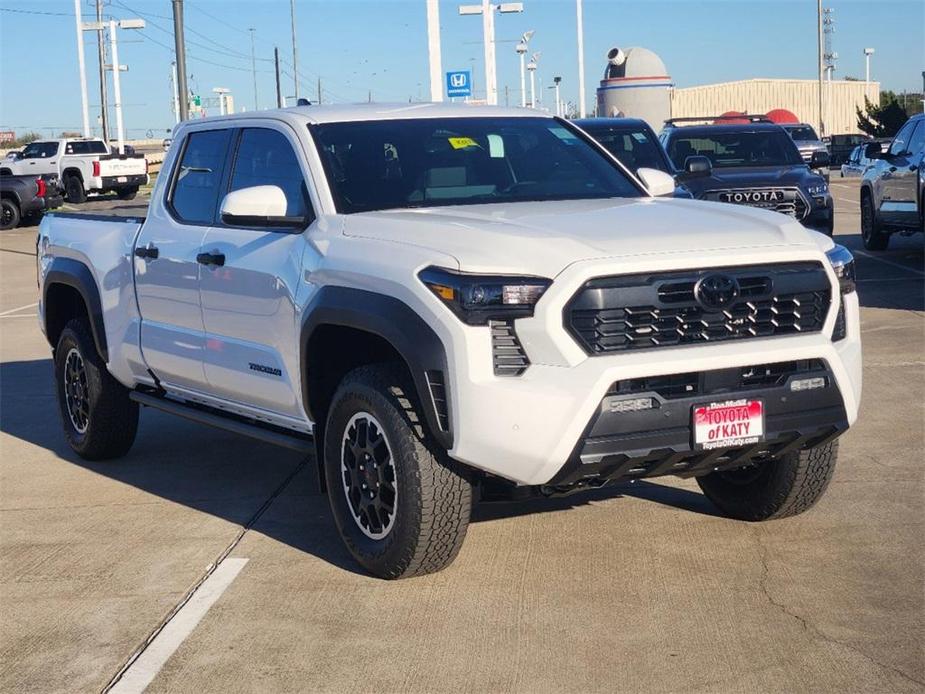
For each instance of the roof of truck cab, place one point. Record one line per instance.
(340, 113)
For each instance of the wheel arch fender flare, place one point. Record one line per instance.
(72, 171)
(395, 322)
(77, 275)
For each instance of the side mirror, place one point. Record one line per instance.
(819, 159)
(260, 206)
(873, 150)
(658, 183)
(698, 165)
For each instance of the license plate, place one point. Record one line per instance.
(122, 179)
(729, 423)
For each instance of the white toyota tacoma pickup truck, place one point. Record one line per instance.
(446, 301)
(83, 165)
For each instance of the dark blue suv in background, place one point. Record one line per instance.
(750, 161)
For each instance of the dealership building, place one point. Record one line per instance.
(840, 99)
(636, 84)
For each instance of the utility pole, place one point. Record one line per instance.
(507, 96)
(295, 53)
(319, 89)
(819, 49)
(433, 50)
(279, 94)
(180, 48)
(81, 65)
(581, 62)
(531, 68)
(254, 68)
(101, 47)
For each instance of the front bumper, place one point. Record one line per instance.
(659, 440)
(527, 428)
(821, 217)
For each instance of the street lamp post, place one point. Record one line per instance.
(117, 68)
(522, 52)
(487, 9)
(221, 91)
(531, 67)
(556, 81)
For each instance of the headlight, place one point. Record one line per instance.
(842, 263)
(476, 299)
(818, 189)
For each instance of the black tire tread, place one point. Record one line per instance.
(787, 487)
(445, 493)
(877, 240)
(113, 416)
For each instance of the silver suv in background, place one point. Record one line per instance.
(892, 197)
(807, 141)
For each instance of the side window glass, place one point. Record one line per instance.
(901, 140)
(266, 158)
(917, 141)
(199, 176)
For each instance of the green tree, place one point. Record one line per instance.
(884, 120)
(24, 140)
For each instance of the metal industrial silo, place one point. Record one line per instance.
(635, 85)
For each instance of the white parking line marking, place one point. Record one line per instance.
(22, 315)
(890, 262)
(853, 202)
(21, 308)
(143, 671)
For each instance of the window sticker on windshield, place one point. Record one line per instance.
(639, 137)
(495, 147)
(563, 134)
(462, 142)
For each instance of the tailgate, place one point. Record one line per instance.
(122, 166)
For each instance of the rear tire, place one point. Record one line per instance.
(400, 504)
(127, 193)
(777, 488)
(871, 228)
(9, 214)
(74, 190)
(100, 421)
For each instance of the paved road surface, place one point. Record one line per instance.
(641, 588)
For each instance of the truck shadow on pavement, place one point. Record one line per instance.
(233, 477)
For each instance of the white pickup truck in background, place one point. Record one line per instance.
(83, 166)
(447, 301)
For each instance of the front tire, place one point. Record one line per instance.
(9, 214)
(400, 504)
(871, 228)
(778, 488)
(100, 421)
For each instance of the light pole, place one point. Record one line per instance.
(487, 9)
(254, 68)
(433, 51)
(522, 52)
(82, 67)
(581, 60)
(117, 68)
(531, 67)
(221, 91)
(295, 54)
(556, 81)
(867, 53)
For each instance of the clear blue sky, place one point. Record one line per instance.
(355, 46)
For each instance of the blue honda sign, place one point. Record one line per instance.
(459, 83)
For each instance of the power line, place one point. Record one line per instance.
(46, 14)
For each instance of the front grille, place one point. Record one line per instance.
(507, 353)
(613, 314)
(789, 201)
(720, 381)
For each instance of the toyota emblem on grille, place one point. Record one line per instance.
(716, 292)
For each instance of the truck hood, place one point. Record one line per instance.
(752, 177)
(543, 238)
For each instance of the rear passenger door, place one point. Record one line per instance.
(249, 305)
(166, 267)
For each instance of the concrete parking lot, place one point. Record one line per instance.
(638, 588)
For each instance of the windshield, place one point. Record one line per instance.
(40, 150)
(394, 164)
(724, 150)
(803, 133)
(635, 148)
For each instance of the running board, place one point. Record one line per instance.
(226, 422)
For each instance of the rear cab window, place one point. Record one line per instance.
(194, 196)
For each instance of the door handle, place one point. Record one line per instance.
(148, 252)
(211, 259)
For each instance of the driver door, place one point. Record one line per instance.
(898, 204)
